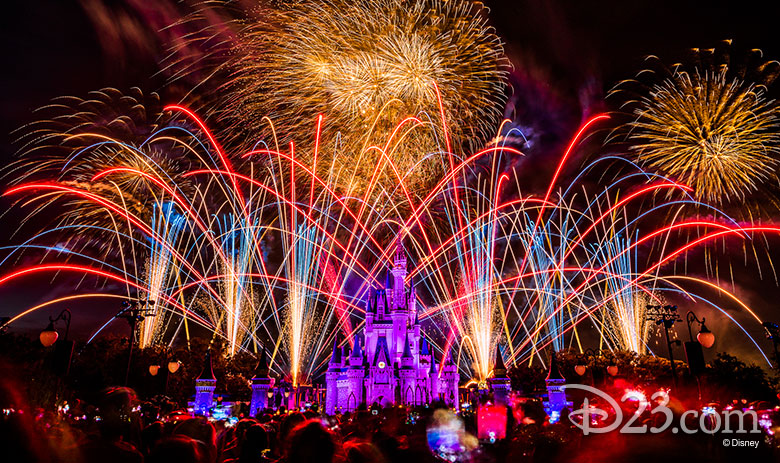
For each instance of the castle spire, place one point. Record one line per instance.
(407, 349)
(357, 352)
(555, 371)
(262, 370)
(336, 357)
(499, 370)
(400, 251)
(208, 370)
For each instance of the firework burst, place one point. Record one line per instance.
(709, 127)
(367, 65)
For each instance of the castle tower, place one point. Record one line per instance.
(499, 383)
(369, 312)
(423, 373)
(381, 304)
(448, 383)
(261, 384)
(433, 378)
(411, 304)
(556, 395)
(331, 380)
(204, 388)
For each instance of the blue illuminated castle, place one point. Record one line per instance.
(390, 361)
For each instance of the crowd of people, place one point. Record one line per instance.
(116, 429)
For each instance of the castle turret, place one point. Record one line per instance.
(380, 304)
(389, 290)
(369, 314)
(261, 384)
(433, 378)
(448, 382)
(412, 303)
(425, 355)
(356, 359)
(331, 379)
(556, 395)
(204, 387)
(423, 371)
(499, 383)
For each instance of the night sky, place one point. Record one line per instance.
(566, 48)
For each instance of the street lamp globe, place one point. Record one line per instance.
(173, 366)
(705, 337)
(49, 335)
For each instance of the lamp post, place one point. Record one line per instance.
(170, 365)
(693, 349)
(64, 350)
(667, 316)
(705, 337)
(270, 403)
(173, 367)
(133, 314)
(49, 335)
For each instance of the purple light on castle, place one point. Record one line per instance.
(556, 393)
(204, 388)
(391, 362)
(262, 384)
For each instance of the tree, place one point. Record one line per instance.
(728, 378)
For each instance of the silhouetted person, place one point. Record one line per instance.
(203, 432)
(310, 442)
(255, 445)
(177, 449)
(119, 429)
(362, 452)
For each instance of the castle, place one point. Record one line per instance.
(390, 362)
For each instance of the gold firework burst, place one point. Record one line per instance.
(715, 134)
(366, 66)
(709, 126)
